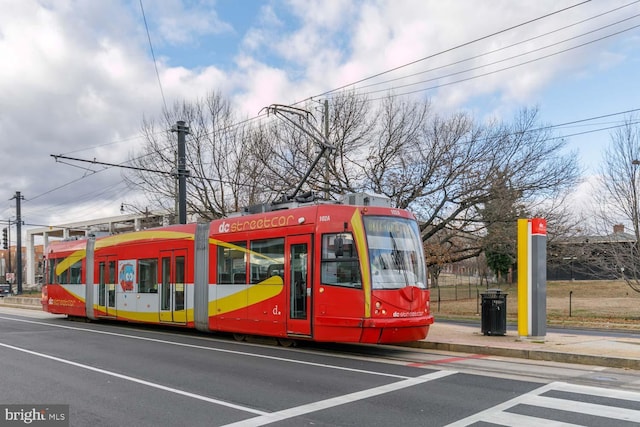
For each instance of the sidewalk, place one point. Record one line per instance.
(594, 348)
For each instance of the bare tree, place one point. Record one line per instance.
(223, 173)
(618, 199)
(444, 169)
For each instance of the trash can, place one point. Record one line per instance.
(494, 312)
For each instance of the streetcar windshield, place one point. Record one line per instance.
(395, 253)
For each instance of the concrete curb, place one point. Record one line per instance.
(21, 302)
(542, 355)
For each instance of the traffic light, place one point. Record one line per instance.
(5, 244)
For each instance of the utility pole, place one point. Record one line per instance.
(176, 209)
(8, 270)
(182, 171)
(18, 198)
(326, 160)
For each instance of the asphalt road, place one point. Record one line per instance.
(123, 375)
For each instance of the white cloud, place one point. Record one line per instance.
(185, 22)
(77, 74)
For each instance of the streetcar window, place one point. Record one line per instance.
(299, 274)
(340, 264)
(266, 259)
(75, 272)
(63, 277)
(232, 266)
(111, 298)
(165, 296)
(112, 272)
(148, 275)
(179, 292)
(101, 284)
(51, 266)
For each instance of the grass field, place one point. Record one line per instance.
(602, 304)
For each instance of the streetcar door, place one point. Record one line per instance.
(107, 283)
(299, 286)
(172, 287)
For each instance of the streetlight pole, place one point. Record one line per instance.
(8, 267)
(18, 198)
(634, 195)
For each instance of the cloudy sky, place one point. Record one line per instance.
(77, 76)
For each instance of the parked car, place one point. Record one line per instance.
(5, 289)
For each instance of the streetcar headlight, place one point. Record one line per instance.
(378, 304)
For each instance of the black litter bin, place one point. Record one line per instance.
(494, 312)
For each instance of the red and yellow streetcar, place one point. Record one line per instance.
(321, 272)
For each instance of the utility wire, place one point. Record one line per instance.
(164, 102)
(153, 55)
(514, 45)
(566, 125)
(495, 62)
(451, 49)
(488, 73)
(468, 59)
(260, 116)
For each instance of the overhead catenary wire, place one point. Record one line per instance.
(390, 90)
(259, 117)
(451, 49)
(352, 84)
(488, 73)
(262, 115)
(530, 39)
(230, 127)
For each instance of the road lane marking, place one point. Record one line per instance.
(263, 417)
(137, 380)
(339, 400)
(498, 415)
(611, 412)
(219, 350)
(447, 360)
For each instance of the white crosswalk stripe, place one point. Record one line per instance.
(501, 414)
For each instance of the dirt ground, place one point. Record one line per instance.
(602, 304)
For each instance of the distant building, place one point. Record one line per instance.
(80, 230)
(590, 257)
(9, 263)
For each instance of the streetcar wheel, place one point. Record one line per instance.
(285, 342)
(239, 337)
